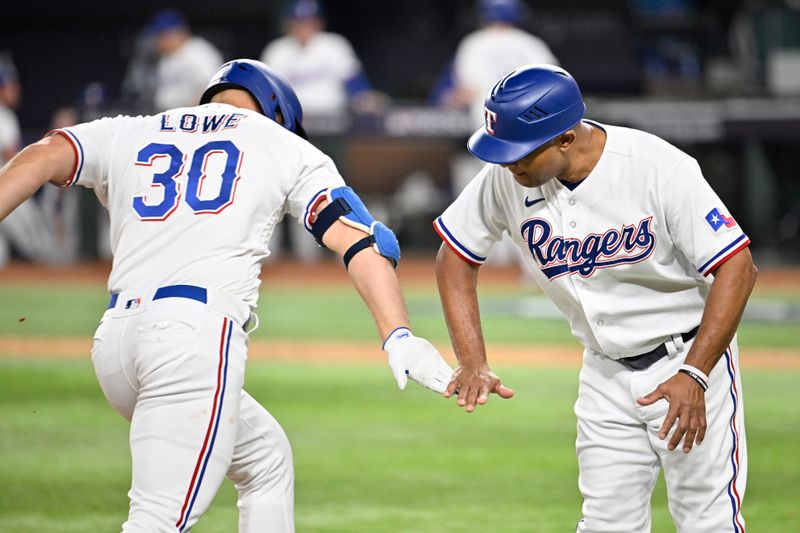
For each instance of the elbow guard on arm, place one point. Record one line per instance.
(345, 205)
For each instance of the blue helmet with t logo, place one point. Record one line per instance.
(526, 108)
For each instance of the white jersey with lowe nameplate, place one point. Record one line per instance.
(623, 255)
(208, 185)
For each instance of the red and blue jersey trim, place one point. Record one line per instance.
(723, 255)
(461, 251)
(213, 424)
(733, 491)
(312, 206)
(77, 148)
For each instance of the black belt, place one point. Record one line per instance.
(644, 361)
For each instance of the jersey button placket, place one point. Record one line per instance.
(569, 217)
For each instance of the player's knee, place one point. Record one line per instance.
(271, 468)
(279, 467)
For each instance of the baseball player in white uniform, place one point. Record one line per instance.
(28, 230)
(193, 194)
(185, 63)
(495, 48)
(482, 56)
(623, 234)
(321, 66)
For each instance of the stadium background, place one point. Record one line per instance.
(368, 457)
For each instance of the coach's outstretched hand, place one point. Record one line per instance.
(473, 386)
(415, 358)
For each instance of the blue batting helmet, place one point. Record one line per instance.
(526, 108)
(509, 11)
(269, 89)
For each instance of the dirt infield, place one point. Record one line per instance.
(368, 352)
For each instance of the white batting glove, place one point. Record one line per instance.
(416, 358)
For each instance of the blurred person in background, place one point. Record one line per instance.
(61, 206)
(185, 63)
(321, 66)
(484, 55)
(329, 80)
(25, 231)
(10, 95)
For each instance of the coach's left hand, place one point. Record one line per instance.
(687, 406)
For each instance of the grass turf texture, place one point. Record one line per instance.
(368, 457)
(334, 312)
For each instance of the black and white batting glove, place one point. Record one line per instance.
(415, 358)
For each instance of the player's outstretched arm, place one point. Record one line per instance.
(375, 279)
(685, 391)
(50, 159)
(473, 380)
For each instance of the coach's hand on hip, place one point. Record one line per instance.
(415, 358)
(687, 406)
(473, 386)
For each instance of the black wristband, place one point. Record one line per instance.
(695, 377)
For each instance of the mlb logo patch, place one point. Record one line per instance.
(717, 220)
(133, 303)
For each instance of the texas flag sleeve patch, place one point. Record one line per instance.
(718, 220)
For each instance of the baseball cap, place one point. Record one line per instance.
(165, 20)
(8, 72)
(508, 11)
(303, 10)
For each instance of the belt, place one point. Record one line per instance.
(644, 361)
(172, 291)
(215, 300)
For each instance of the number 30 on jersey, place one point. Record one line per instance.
(167, 180)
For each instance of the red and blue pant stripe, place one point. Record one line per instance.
(733, 492)
(211, 431)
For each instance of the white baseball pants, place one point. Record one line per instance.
(174, 367)
(620, 454)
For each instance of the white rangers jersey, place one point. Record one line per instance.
(624, 255)
(194, 193)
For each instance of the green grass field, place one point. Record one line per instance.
(368, 457)
(337, 313)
